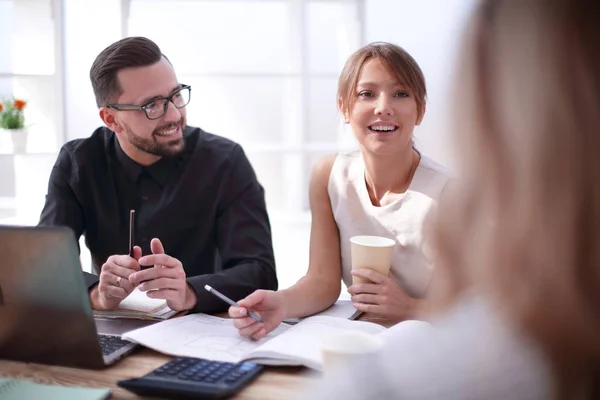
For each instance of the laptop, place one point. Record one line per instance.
(45, 312)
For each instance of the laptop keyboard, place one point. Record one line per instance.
(111, 344)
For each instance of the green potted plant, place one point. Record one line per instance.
(13, 121)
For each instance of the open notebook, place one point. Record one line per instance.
(213, 338)
(139, 305)
(15, 389)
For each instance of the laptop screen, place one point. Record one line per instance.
(44, 293)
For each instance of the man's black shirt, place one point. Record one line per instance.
(205, 205)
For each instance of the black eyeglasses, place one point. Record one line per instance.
(157, 108)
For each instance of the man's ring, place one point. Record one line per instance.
(119, 281)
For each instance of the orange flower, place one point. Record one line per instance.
(1, 108)
(20, 104)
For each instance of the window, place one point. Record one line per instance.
(267, 81)
(31, 69)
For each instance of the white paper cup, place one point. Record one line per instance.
(348, 346)
(373, 252)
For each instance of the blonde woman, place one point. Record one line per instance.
(385, 189)
(518, 240)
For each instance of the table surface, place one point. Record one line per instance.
(273, 383)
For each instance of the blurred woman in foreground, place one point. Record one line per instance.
(518, 267)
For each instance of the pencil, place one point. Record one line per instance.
(231, 302)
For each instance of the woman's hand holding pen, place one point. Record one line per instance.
(114, 284)
(269, 305)
(167, 280)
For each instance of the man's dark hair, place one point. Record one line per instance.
(125, 53)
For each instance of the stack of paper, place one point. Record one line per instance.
(139, 305)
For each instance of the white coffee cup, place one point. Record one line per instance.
(347, 346)
(373, 252)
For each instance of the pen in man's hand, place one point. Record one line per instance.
(231, 302)
(131, 231)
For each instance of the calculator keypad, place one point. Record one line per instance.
(198, 370)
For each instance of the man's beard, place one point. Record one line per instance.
(153, 146)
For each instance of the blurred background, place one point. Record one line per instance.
(263, 73)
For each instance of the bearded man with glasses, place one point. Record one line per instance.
(200, 210)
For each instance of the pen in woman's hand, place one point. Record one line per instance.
(231, 302)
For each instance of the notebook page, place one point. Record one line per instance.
(406, 329)
(199, 335)
(339, 309)
(139, 301)
(302, 342)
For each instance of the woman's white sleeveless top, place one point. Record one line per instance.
(403, 220)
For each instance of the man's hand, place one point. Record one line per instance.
(114, 284)
(166, 280)
(383, 297)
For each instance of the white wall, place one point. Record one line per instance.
(430, 31)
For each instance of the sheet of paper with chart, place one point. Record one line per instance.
(205, 336)
(198, 335)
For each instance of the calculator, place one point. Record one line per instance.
(194, 378)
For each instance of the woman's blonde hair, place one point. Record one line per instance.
(397, 61)
(522, 224)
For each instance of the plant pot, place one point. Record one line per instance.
(19, 140)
